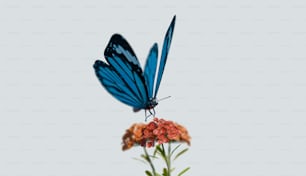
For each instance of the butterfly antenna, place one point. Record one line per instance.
(163, 98)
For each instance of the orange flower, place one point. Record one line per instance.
(133, 135)
(158, 130)
(184, 136)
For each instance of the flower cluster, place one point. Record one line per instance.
(158, 130)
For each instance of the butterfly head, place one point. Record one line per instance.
(152, 103)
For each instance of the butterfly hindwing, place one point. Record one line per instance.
(150, 69)
(121, 57)
(164, 54)
(115, 85)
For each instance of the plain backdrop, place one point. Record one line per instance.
(235, 74)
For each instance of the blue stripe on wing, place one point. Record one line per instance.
(114, 84)
(150, 69)
(121, 57)
(165, 51)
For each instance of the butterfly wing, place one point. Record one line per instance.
(150, 69)
(114, 84)
(164, 54)
(122, 76)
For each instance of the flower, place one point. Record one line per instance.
(158, 130)
(133, 135)
(155, 134)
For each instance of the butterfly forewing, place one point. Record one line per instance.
(164, 54)
(119, 46)
(150, 69)
(121, 57)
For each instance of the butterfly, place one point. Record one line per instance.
(123, 77)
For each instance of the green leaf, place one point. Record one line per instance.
(152, 156)
(155, 152)
(165, 172)
(148, 173)
(139, 159)
(145, 157)
(159, 149)
(161, 152)
(183, 171)
(180, 153)
(175, 149)
(172, 169)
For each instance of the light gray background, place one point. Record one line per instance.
(236, 74)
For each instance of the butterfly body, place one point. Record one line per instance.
(122, 76)
(148, 106)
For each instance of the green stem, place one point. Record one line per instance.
(167, 158)
(150, 161)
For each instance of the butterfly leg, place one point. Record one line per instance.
(150, 114)
(147, 115)
(153, 114)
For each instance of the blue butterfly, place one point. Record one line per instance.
(123, 77)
